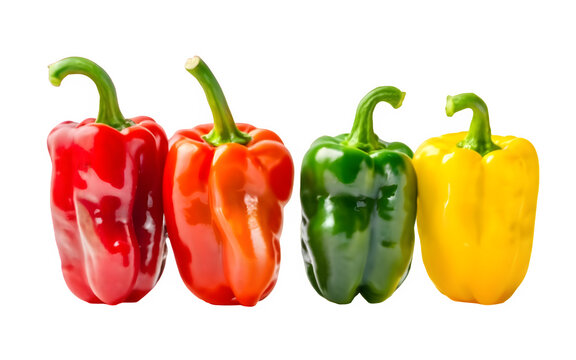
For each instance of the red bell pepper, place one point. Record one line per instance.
(106, 196)
(224, 190)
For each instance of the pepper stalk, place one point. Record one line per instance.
(479, 136)
(362, 134)
(109, 110)
(225, 130)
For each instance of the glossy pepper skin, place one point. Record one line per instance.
(358, 197)
(106, 196)
(477, 207)
(225, 187)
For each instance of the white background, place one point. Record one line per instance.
(299, 69)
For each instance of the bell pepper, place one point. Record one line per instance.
(106, 196)
(358, 196)
(225, 186)
(477, 207)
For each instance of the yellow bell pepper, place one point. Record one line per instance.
(476, 208)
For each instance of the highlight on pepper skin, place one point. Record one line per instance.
(106, 196)
(358, 197)
(225, 186)
(477, 197)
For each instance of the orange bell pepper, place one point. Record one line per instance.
(224, 191)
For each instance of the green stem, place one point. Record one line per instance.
(225, 130)
(362, 135)
(109, 111)
(479, 136)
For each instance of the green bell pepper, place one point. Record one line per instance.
(358, 196)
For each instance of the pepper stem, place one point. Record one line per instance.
(109, 111)
(225, 130)
(479, 136)
(362, 135)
